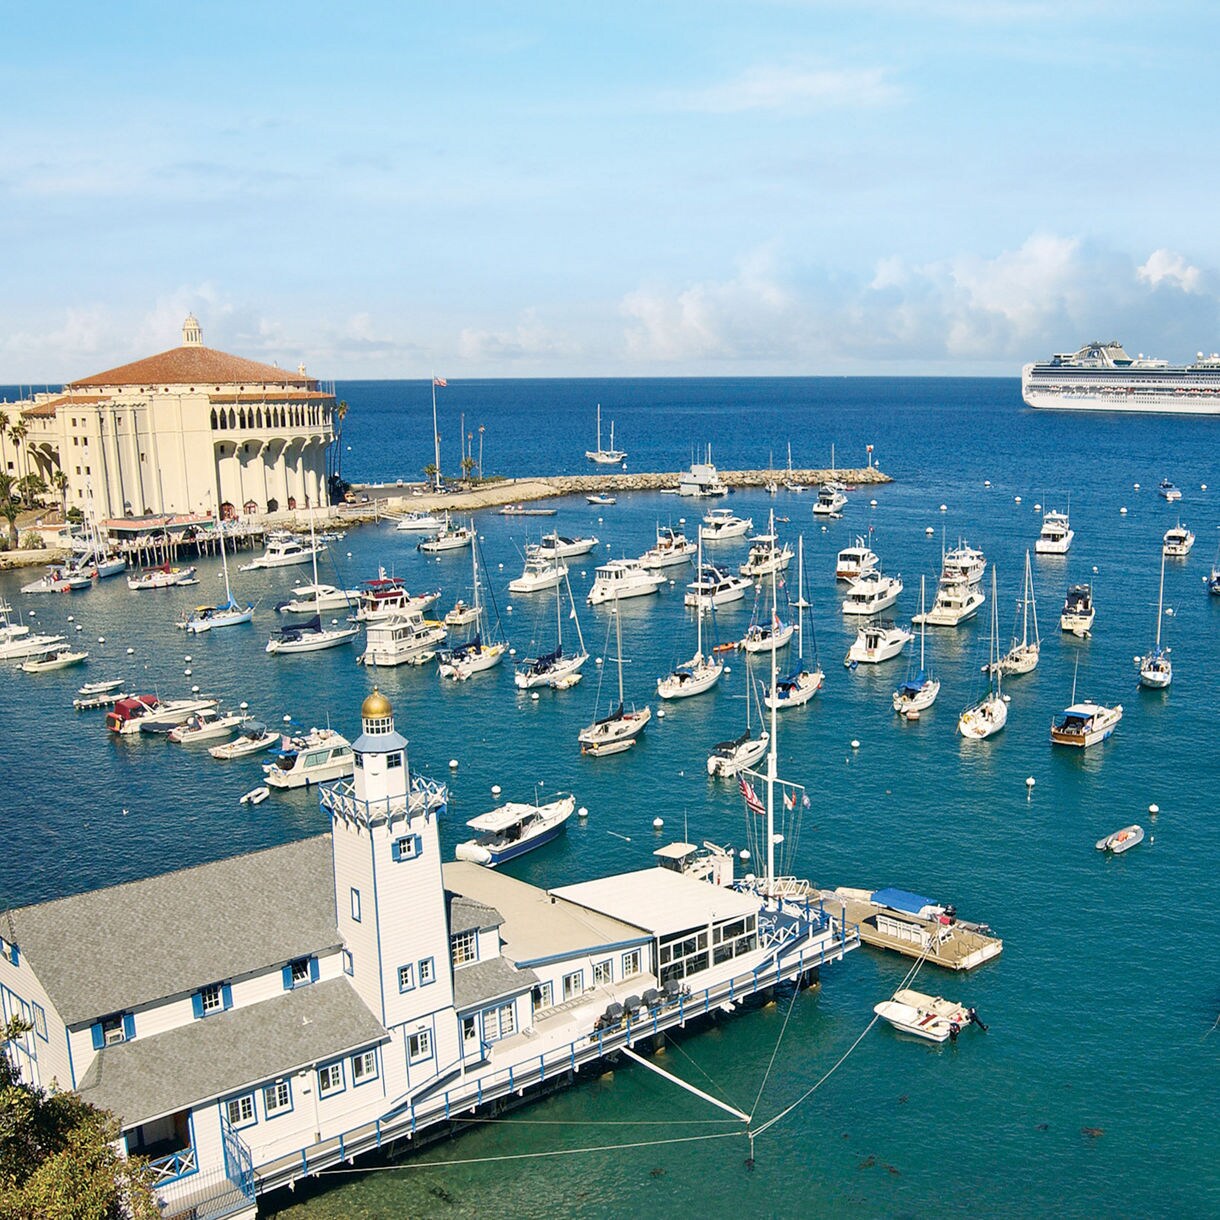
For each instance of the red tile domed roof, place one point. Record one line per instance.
(194, 366)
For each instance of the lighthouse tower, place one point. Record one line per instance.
(390, 896)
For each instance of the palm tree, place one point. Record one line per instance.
(59, 481)
(341, 415)
(10, 508)
(18, 433)
(468, 465)
(3, 439)
(31, 487)
(430, 471)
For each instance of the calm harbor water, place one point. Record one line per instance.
(1100, 1006)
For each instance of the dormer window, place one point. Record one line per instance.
(113, 1030)
(300, 973)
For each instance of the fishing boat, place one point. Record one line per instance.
(620, 579)
(387, 597)
(555, 546)
(419, 523)
(449, 537)
(1022, 656)
(702, 480)
(1121, 840)
(919, 691)
(229, 614)
(513, 829)
(766, 555)
(1056, 536)
(601, 498)
(871, 593)
(715, 587)
(1084, 724)
(18, 641)
(307, 599)
(803, 680)
(1156, 669)
(729, 757)
(164, 577)
(697, 675)
(1168, 491)
(877, 642)
(541, 573)
(253, 739)
(475, 655)
(169, 713)
(621, 729)
(990, 714)
(311, 636)
(830, 502)
(54, 658)
(555, 669)
(311, 758)
(1078, 610)
(856, 561)
(400, 638)
(285, 550)
(605, 457)
(671, 549)
(206, 725)
(926, 1016)
(722, 523)
(1177, 542)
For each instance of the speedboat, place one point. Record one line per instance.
(541, 572)
(623, 578)
(555, 546)
(284, 550)
(1085, 724)
(1168, 491)
(170, 713)
(872, 593)
(1078, 610)
(926, 1016)
(419, 523)
(766, 556)
(715, 587)
(1056, 536)
(1178, 541)
(306, 599)
(672, 548)
(601, 498)
(387, 597)
(163, 577)
(400, 638)
(876, 642)
(855, 561)
(253, 739)
(720, 523)
(963, 563)
(830, 502)
(206, 726)
(1121, 840)
(513, 829)
(311, 758)
(54, 658)
(449, 537)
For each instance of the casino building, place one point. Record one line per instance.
(185, 431)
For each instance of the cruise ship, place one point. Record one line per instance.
(1102, 377)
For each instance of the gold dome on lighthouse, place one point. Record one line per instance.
(376, 706)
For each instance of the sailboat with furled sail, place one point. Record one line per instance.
(231, 613)
(620, 730)
(554, 668)
(311, 636)
(701, 672)
(990, 714)
(1022, 657)
(729, 757)
(1156, 669)
(805, 679)
(919, 692)
(476, 654)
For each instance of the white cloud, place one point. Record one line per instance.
(780, 87)
(1166, 267)
(530, 340)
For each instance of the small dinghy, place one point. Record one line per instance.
(927, 1016)
(256, 796)
(1121, 840)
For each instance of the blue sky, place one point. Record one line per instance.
(536, 189)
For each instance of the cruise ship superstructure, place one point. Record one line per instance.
(1103, 377)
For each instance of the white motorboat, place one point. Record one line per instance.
(956, 600)
(804, 680)
(926, 1016)
(206, 725)
(1168, 491)
(1178, 541)
(312, 758)
(605, 457)
(672, 548)
(169, 713)
(555, 669)
(919, 691)
(601, 498)
(621, 729)
(989, 715)
(419, 523)
(877, 642)
(253, 739)
(620, 579)
(962, 564)
(53, 658)
(285, 550)
(164, 577)
(856, 561)
(1156, 669)
(400, 638)
(125, 714)
(702, 480)
(1078, 610)
(1085, 724)
(513, 829)
(18, 641)
(541, 572)
(461, 615)
(872, 593)
(476, 654)
(1022, 657)
(229, 614)
(555, 546)
(722, 523)
(830, 502)
(449, 537)
(697, 675)
(308, 599)
(387, 597)
(311, 636)
(766, 555)
(1122, 840)
(715, 587)
(1056, 536)
(91, 690)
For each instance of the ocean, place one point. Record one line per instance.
(1094, 1091)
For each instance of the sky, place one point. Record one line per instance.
(871, 187)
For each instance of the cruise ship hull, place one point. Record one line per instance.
(1066, 389)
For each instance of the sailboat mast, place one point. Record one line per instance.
(1160, 603)
(313, 547)
(699, 600)
(800, 597)
(771, 753)
(599, 427)
(580, 639)
(923, 620)
(618, 639)
(474, 574)
(224, 563)
(436, 440)
(996, 668)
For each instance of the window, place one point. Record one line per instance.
(355, 904)
(631, 963)
(406, 848)
(470, 1031)
(603, 973)
(240, 1111)
(543, 996)
(330, 1079)
(427, 972)
(349, 965)
(364, 1067)
(277, 1098)
(419, 1046)
(40, 1021)
(300, 971)
(465, 948)
(393, 760)
(573, 984)
(406, 978)
(113, 1031)
(211, 999)
(499, 1022)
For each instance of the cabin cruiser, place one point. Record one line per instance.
(1177, 542)
(875, 642)
(313, 757)
(766, 556)
(306, 599)
(541, 572)
(963, 563)
(672, 548)
(1056, 536)
(400, 638)
(284, 550)
(856, 561)
(1085, 724)
(206, 725)
(720, 523)
(1168, 491)
(715, 587)
(622, 578)
(125, 715)
(955, 601)
(702, 480)
(1078, 610)
(872, 593)
(830, 502)
(387, 597)
(513, 829)
(555, 546)
(54, 658)
(163, 577)
(449, 537)
(420, 523)
(601, 498)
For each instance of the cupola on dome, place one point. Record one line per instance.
(376, 706)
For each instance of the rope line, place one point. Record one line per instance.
(774, 1052)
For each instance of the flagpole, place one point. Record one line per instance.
(436, 437)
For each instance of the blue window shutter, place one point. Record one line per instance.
(226, 994)
(197, 1004)
(95, 1032)
(396, 850)
(313, 969)
(129, 1026)
(287, 972)
(14, 955)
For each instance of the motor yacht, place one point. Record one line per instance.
(1177, 542)
(955, 601)
(284, 550)
(513, 829)
(963, 563)
(702, 480)
(876, 642)
(1056, 536)
(1168, 491)
(856, 561)
(419, 523)
(766, 555)
(672, 548)
(872, 593)
(18, 641)
(449, 537)
(401, 638)
(387, 597)
(715, 587)
(830, 502)
(1085, 724)
(164, 577)
(541, 572)
(620, 579)
(54, 658)
(555, 546)
(722, 523)
(169, 713)
(1078, 610)
(312, 758)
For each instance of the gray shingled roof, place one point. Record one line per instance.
(114, 949)
(470, 915)
(223, 1054)
(495, 979)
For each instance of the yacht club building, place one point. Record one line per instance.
(254, 1020)
(189, 430)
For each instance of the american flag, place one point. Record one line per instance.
(789, 799)
(753, 804)
(439, 381)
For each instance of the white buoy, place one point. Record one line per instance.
(930, 531)
(1029, 783)
(872, 504)
(1169, 611)
(495, 789)
(1094, 569)
(855, 744)
(501, 567)
(598, 661)
(1016, 499)
(660, 713)
(534, 696)
(287, 718)
(823, 529)
(657, 823)
(242, 706)
(194, 690)
(1006, 698)
(1137, 659)
(79, 627)
(744, 854)
(986, 482)
(1123, 511)
(944, 508)
(727, 670)
(101, 639)
(71, 618)
(187, 660)
(453, 764)
(131, 652)
(508, 609)
(1154, 809)
(1136, 486)
(1202, 486)
(349, 554)
(582, 813)
(1037, 508)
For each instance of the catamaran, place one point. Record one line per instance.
(605, 457)
(229, 614)
(990, 714)
(1022, 657)
(475, 655)
(1156, 669)
(701, 672)
(802, 682)
(621, 729)
(919, 691)
(554, 669)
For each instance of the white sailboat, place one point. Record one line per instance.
(700, 673)
(1156, 669)
(619, 731)
(475, 655)
(605, 457)
(554, 669)
(790, 483)
(311, 636)
(918, 693)
(801, 683)
(231, 613)
(729, 757)
(1022, 657)
(990, 714)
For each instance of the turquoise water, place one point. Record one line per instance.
(1101, 1004)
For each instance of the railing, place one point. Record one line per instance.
(426, 796)
(177, 1165)
(239, 1163)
